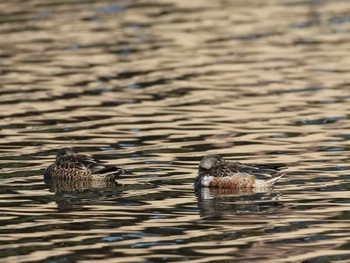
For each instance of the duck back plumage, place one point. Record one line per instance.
(81, 166)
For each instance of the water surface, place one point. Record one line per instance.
(154, 86)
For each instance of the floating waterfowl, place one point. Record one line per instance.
(74, 166)
(214, 171)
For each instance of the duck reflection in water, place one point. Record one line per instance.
(223, 202)
(74, 194)
(225, 188)
(76, 186)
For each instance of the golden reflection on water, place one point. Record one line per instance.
(154, 86)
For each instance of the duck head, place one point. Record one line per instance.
(65, 152)
(207, 163)
(210, 161)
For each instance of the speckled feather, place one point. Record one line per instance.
(70, 165)
(59, 185)
(214, 171)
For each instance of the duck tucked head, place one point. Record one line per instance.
(206, 167)
(210, 161)
(65, 152)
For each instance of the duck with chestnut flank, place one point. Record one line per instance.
(214, 171)
(74, 166)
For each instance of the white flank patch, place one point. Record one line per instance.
(206, 180)
(260, 184)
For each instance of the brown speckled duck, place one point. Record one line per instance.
(214, 171)
(73, 166)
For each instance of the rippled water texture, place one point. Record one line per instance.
(152, 86)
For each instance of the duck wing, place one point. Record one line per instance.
(224, 169)
(88, 162)
(81, 162)
(260, 171)
(96, 166)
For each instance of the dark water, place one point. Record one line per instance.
(152, 86)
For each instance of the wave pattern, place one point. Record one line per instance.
(152, 86)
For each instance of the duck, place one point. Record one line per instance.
(215, 172)
(74, 166)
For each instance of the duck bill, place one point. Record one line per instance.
(196, 183)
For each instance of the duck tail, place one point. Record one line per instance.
(111, 171)
(271, 181)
